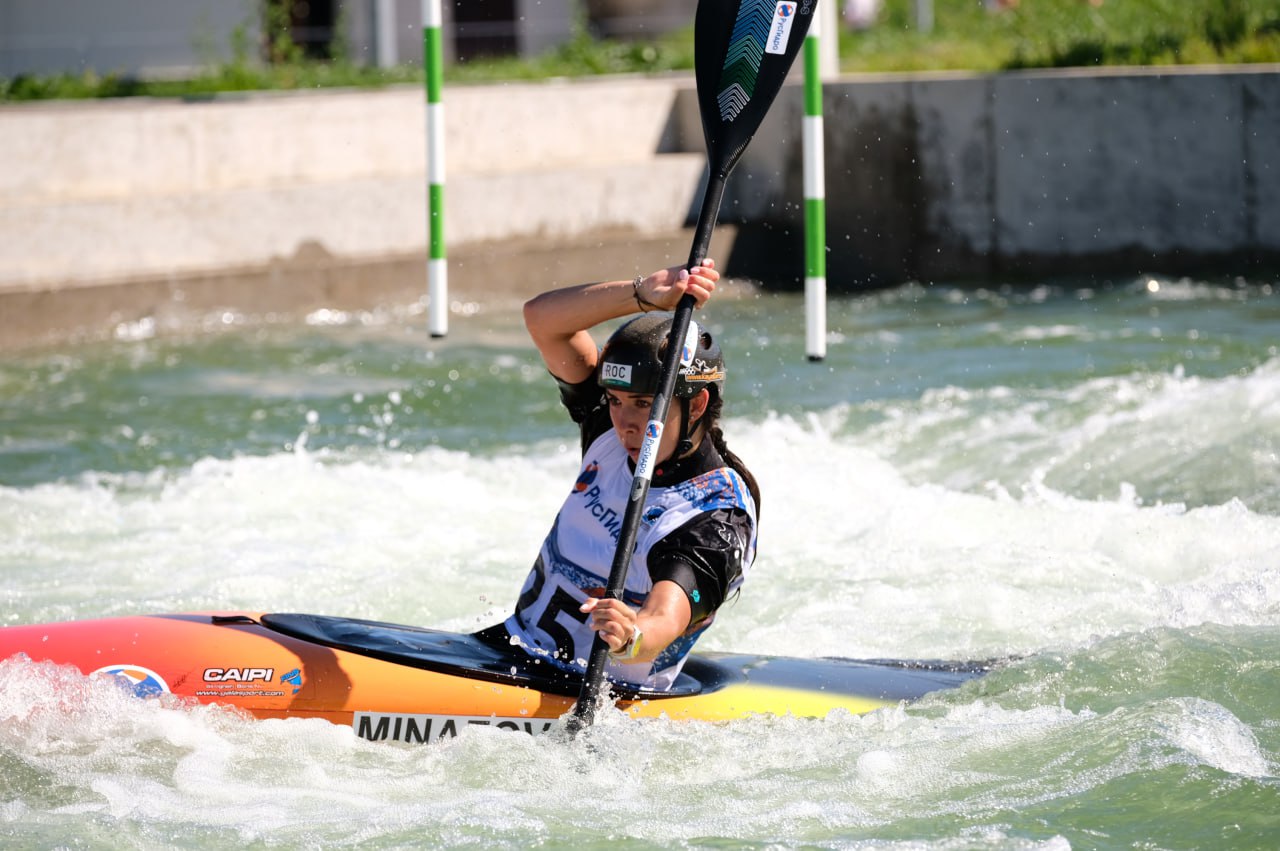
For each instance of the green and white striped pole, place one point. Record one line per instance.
(815, 204)
(437, 265)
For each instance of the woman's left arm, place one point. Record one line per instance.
(662, 619)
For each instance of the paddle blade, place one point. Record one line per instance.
(744, 50)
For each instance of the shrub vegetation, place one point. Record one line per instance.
(972, 35)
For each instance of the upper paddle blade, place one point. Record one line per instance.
(744, 50)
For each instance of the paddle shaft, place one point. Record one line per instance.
(744, 51)
(593, 681)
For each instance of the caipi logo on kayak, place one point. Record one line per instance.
(249, 682)
(238, 675)
(418, 729)
(780, 31)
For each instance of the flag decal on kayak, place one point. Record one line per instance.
(144, 682)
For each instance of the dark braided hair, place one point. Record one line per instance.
(711, 418)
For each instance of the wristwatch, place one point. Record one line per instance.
(631, 649)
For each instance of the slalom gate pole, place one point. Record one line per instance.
(815, 204)
(437, 264)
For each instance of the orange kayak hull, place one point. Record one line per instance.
(404, 683)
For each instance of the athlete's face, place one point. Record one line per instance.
(630, 413)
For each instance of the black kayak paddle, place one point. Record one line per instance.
(743, 51)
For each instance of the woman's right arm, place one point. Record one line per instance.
(558, 320)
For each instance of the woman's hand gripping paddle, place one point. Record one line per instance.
(743, 51)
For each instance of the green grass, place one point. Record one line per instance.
(1067, 33)
(584, 56)
(1035, 34)
(228, 78)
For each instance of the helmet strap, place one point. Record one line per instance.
(685, 446)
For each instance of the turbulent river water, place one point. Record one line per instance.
(1082, 481)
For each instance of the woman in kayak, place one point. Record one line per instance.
(697, 533)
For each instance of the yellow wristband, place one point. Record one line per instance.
(631, 649)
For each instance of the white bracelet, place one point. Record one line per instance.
(641, 302)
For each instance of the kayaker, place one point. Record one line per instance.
(697, 536)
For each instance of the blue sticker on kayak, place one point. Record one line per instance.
(293, 678)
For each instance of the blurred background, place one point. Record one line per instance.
(270, 155)
(126, 42)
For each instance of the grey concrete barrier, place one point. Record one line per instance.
(1082, 174)
(938, 177)
(110, 191)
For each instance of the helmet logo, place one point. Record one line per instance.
(634, 358)
(702, 372)
(615, 374)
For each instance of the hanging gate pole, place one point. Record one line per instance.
(437, 265)
(815, 204)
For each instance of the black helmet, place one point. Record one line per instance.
(632, 358)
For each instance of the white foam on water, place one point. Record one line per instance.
(859, 556)
(854, 559)
(1170, 436)
(415, 536)
(216, 778)
(1213, 735)
(857, 561)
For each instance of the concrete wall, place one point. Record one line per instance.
(944, 177)
(106, 191)
(1031, 174)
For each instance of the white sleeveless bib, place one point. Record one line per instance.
(577, 554)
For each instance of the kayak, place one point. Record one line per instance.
(409, 684)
